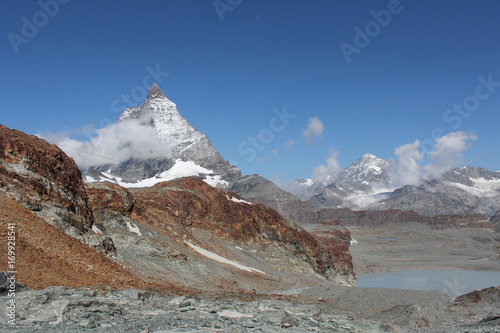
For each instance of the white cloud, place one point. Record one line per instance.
(289, 144)
(315, 127)
(405, 170)
(275, 153)
(326, 173)
(118, 142)
(447, 154)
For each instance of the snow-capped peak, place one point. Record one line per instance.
(369, 157)
(184, 142)
(362, 170)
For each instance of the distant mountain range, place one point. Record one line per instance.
(365, 184)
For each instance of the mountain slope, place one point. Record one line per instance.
(190, 234)
(258, 189)
(47, 257)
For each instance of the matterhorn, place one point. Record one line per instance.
(190, 152)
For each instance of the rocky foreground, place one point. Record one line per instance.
(314, 309)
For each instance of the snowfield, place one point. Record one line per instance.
(482, 187)
(222, 260)
(179, 170)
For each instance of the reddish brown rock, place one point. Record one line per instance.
(188, 204)
(336, 238)
(43, 178)
(110, 196)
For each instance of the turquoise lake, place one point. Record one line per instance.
(450, 282)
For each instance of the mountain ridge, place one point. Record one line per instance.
(366, 184)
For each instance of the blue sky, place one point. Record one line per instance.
(232, 64)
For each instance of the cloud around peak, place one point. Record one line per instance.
(408, 167)
(115, 143)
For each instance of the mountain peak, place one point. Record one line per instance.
(369, 157)
(155, 92)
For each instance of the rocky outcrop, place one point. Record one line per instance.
(44, 179)
(8, 284)
(403, 219)
(489, 296)
(336, 309)
(337, 239)
(46, 256)
(258, 189)
(59, 309)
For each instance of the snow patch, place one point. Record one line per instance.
(238, 200)
(133, 228)
(353, 241)
(216, 181)
(482, 187)
(365, 200)
(222, 260)
(184, 169)
(89, 179)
